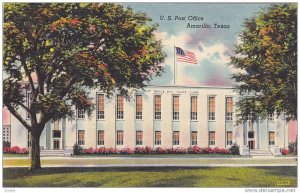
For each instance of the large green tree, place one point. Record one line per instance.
(267, 63)
(65, 49)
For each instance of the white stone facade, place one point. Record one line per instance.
(103, 130)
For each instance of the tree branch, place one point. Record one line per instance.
(18, 116)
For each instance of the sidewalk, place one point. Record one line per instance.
(152, 162)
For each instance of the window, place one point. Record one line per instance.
(271, 138)
(271, 117)
(120, 107)
(100, 106)
(139, 107)
(175, 107)
(211, 108)
(157, 107)
(81, 137)
(175, 137)
(250, 116)
(29, 97)
(100, 137)
(56, 134)
(212, 138)
(251, 134)
(157, 137)
(139, 138)
(80, 113)
(229, 108)
(229, 137)
(193, 108)
(194, 137)
(120, 137)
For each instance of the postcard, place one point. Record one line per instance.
(149, 94)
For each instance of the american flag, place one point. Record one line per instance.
(185, 56)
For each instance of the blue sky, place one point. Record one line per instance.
(212, 46)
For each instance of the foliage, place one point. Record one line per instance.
(292, 147)
(62, 50)
(77, 149)
(284, 151)
(15, 150)
(267, 63)
(235, 149)
(158, 150)
(6, 143)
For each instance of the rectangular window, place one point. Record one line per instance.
(81, 137)
(194, 137)
(250, 116)
(271, 138)
(251, 134)
(80, 113)
(175, 107)
(139, 107)
(120, 137)
(120, 107)
(29, 97)
(229, 108)
(193, 108)
(211, 108)
(100, 106)
(56, 134)
(271, 117)
(229, 137)
(139, 138)
(157, 137)
(100, 137)
(157, 107)
(175, 137)
(212, 136)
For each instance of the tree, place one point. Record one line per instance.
(70, 48)
(267, 60)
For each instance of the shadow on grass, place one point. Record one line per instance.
(10, 173)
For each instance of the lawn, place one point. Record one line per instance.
(151, 177)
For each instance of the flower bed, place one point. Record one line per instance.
(284, 151)
(158, 150)
(15, 150)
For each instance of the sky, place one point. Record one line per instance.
(212, 46)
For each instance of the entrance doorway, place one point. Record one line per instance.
(251, 141)
(251, 144)
(56, 144)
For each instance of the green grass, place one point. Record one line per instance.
(151, 177)
(133, 161)
(14, 155)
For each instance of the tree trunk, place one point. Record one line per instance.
(35, 162)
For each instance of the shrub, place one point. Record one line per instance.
(6, 143)
(235, 149)
(88, 151)
(77, 149)
(16, 150)
(292, 147)
(196, 150)
(126, 151)
(284, 151)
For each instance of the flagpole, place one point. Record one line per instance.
(174, 65)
